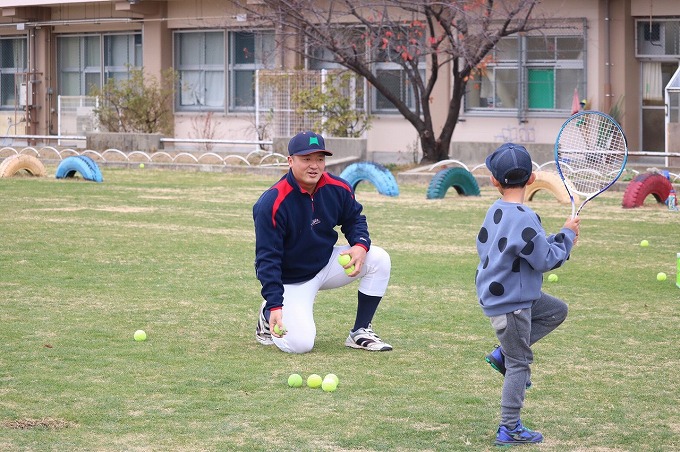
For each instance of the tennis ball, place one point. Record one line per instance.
(295, 381)
(332, 377)
(644, 243)
(140, 335)
(314, 381)
(553, 277)
(329, 385)
(661, 276)
(141, 165)
(344, 259)
(279, 331)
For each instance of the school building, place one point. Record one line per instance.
(622, 53)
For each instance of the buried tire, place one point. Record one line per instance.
(550, 182)
(82, 164)
(642, 186)
(22, 162)
(459, 178)
(374, 173)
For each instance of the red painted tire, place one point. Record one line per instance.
(644, 185)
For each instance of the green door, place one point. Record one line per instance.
(541, 88)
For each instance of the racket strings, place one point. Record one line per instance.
(591, 153)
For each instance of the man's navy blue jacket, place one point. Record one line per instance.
(295, 231)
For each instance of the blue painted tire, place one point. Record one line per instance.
(459, 178)
(374, 173)
(82, 164)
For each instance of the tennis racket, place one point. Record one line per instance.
(590, 154)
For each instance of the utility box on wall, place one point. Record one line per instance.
(23, 94)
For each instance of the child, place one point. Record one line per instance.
(514, 252)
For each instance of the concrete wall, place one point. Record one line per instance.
(127, 142)
(340, 147)
(475, 153)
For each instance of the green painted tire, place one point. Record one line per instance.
(460, 179)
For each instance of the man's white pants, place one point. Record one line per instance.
(298, 299)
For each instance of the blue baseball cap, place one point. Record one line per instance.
(305, 143)
(510, 164)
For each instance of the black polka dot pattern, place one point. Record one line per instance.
(483, 235)
(497, 216)
(502, 243)
(496, 289)
(528, 235)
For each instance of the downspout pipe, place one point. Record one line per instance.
(607, 64)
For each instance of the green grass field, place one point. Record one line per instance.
(84, 265)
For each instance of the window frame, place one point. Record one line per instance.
(531, 59)
(16, 73)
(263, 58)
(667, 34)
(93, 63)
(202, 69)
(384, 62)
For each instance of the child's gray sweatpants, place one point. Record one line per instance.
(517, 331)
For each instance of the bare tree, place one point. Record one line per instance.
(414, 34)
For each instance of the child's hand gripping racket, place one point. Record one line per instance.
(590, 154)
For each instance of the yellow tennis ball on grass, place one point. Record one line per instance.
(314, 381)
(140, 335)
(553, 277)
(332, 377)
(329, 385)
(295, 380)
(644, 243)
(661, 276)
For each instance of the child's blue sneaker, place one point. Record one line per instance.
(496, 359)
(519, 435)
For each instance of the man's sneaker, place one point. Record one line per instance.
(496, 359)
(519, 435)
(262, 333)
(365, 338)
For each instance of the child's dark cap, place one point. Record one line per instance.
(510, 164)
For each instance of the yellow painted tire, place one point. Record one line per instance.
(19, 162)
(551, 182)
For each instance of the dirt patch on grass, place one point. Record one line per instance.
(47, 423)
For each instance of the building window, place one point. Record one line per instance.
(12, 70)
(88, 61)
(199, 61)
(389, 71)
(121, 52)
(248, 52)
(531, 73)
(658, 38)
(324, 59)
(386, 66)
